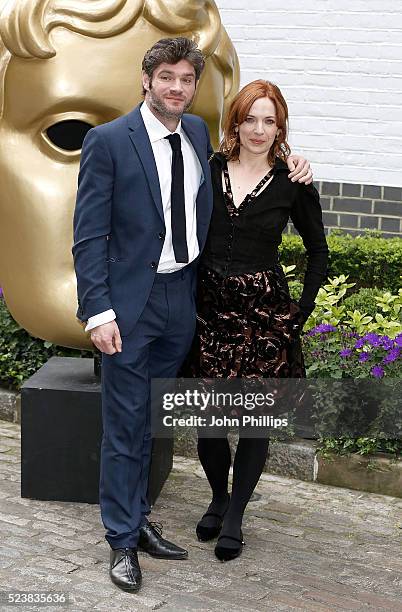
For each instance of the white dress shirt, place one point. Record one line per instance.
(192, 179)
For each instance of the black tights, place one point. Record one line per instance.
(249, 461)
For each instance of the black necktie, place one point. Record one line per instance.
(178, 211)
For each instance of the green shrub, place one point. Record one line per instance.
(369, 260)
(362, 446)
(344, 342)
(21, 355)
(295, 289)
(365, 300)
(330, 309)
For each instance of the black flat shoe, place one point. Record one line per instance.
(227, 553)
(152, 542)
(125, 570)
(206, 533)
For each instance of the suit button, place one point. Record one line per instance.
(161, 235)
(153, 264)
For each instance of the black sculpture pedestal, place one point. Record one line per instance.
(61, 434)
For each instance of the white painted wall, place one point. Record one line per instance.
(339, 65)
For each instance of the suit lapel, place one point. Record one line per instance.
(139, 138)
(196, 142)
(204, 203)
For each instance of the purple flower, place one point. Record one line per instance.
(322, 329)
(372, 339)
(392, 355)
(398, 340)
(377, 371)
(364, 356)
(387, 343)
(349, 334)
(359, 343)
(345, 352)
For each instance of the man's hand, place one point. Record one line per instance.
(107, 338)
(300, 169)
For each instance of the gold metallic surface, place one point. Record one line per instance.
(77, 59)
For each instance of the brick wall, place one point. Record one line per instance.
(339, 65)
(357, 207)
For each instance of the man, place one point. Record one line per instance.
(143, 208)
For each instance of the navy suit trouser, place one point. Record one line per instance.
(155, 348)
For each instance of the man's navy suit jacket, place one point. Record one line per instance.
(119, 225)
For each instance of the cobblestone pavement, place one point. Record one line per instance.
(308, 547)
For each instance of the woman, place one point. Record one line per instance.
(248, 325)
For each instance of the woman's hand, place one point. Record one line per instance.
(299, 169)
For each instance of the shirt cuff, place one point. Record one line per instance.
(103, 317)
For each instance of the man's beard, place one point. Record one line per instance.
(160, 107)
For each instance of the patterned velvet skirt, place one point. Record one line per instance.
(247, 326)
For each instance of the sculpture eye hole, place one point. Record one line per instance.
(68, 135)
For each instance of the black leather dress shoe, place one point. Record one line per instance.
(125, 571)
(151, 541)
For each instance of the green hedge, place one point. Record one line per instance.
(364, 300)
(369, 260)
(21, 355)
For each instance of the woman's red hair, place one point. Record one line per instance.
(238, 111)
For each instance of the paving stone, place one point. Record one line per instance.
(60, 565)
(11, 552)
(35, 608)
(127, 606)
(7, 430)
(5, 563)
(5, 447)
(97, 590)
(30, 546)
(9, 458)
(50, 527)
(65, 520)
(233, 595)
(42, 575)
(14, 520)
(83, 560)
(186, 602)
(337, 602)
(308, 547)
(19, 531)
(60, 542)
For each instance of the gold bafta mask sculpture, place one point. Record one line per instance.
(67, 65)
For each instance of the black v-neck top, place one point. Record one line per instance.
(246, 239)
